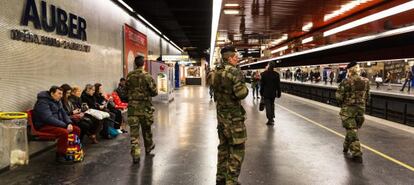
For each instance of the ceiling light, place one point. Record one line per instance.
(231, 12)
(279, 40)
(214, 26)
(309, 39)
(344, 43)
(344, 8)
(231, 5)
(126, 5)
(307, 27)
(279, 49)
(380, 15)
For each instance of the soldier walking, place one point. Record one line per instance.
(352, 95)
(140, 87)
(229, 90)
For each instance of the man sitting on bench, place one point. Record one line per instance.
(50, 117)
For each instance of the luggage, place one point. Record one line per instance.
(74, 152)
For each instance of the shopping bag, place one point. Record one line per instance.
(100, 115)
(74, 152)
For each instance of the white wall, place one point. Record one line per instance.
(27, 68)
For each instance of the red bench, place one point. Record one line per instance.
(37, 134)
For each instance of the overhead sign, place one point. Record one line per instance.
(175, 57)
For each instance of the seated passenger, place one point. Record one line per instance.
(108, 106)
(122, 91)
(50, 117)
(89, 98)
(85, 122)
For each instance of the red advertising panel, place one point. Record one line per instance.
(135, 43)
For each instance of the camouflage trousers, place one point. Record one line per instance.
(352, 120)
(231, 149)
(145, 122)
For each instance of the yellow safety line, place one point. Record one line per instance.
(340, 135)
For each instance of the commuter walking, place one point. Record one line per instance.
(352, 95)
(388, 80)
(255, 84)
(210, 79)
(140, 88)
(408, 78)
(229, 90)
(378, 79)
(331, 76)
(270, 89)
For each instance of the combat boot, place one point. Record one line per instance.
(221, 182)
(357, 159)
(135, 153)
(148, 151)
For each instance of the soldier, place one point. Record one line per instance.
(229, 90)
(352, 95)
(140, 88)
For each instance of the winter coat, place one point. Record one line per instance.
(47, 111)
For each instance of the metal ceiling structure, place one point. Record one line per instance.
(186, 22)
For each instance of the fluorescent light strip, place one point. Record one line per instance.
(309, 39)
(126, 5)
(279, 49)
(279, 40)
(214, 26)
(231, 12)
(232, 5)
(307, 27)
(386, 13)
(344, 8)
(340, 44)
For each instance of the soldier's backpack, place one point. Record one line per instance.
(74, 152)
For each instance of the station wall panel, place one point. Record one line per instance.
(27, 68)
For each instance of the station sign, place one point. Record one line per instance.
(51, 19)
(175, 57)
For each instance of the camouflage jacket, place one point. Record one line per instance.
(229, 86)
(353, 91)
(140, 88)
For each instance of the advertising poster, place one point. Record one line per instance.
(135, 43)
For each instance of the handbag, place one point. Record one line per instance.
(100, 115)
(378, 79)
(261, 104)
(77, 117)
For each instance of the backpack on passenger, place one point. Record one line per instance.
(74, 152)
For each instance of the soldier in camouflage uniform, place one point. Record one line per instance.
(140, 88)
(352, 95)
(229, 90)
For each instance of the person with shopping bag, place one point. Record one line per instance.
(50, 117)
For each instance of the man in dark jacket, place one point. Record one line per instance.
(121, 90)
(50, 117)
(270, 89)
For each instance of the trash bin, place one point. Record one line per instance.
(14, 148)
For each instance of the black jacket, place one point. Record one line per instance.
(270, 84)
(90, 100)
(76, 101)
(49, 112)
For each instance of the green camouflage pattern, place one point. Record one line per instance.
(229, 90)
(352, 95)
(140, 88)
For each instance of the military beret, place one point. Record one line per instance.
(351, 64)
(228, 49)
